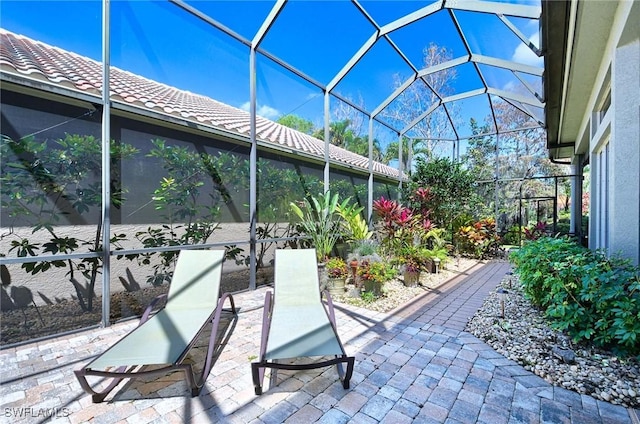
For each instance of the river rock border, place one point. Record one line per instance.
(524, 336)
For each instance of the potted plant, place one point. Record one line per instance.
(414, 259)
(374, 274)
(337, 273)
(411, 274)
(438, 252)
(363, 250)
(356, 232)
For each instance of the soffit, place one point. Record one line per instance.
(593, 26)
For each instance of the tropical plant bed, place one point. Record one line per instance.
(395, 293)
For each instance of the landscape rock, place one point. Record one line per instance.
(525, 336)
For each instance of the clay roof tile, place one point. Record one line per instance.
(23, 56)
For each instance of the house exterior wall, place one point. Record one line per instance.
(612, 127)
(624, 216)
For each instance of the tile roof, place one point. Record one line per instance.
(25, 57)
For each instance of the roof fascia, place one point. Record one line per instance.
(558, 28)
(35, 87)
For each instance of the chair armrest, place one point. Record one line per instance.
(150, 307)
(329, 308)
(266, 323)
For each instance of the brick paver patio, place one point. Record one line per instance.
(414, 364)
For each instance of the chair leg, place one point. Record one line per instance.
(191, 381)
(97, 397)
(257, 373)
(257, 368)
(213, 336)
(345, 377)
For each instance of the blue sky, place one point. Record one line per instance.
(162, 42)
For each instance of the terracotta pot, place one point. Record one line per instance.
(354, 269)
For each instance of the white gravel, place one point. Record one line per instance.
(524, 336)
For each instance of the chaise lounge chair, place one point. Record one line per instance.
(166, 337)
(295, 322)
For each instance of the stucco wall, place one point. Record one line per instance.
(55, 283)
(625, 176)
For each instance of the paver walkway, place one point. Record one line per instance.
(415, 364)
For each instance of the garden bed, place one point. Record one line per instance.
(396, 294)
(525, 336)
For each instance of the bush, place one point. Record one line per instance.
(586, 294)
(479, 240)
(514, 236)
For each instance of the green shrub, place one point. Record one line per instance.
(513, 236)
(586, 294)
(479, 240)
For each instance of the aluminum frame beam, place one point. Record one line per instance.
(495, 8)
